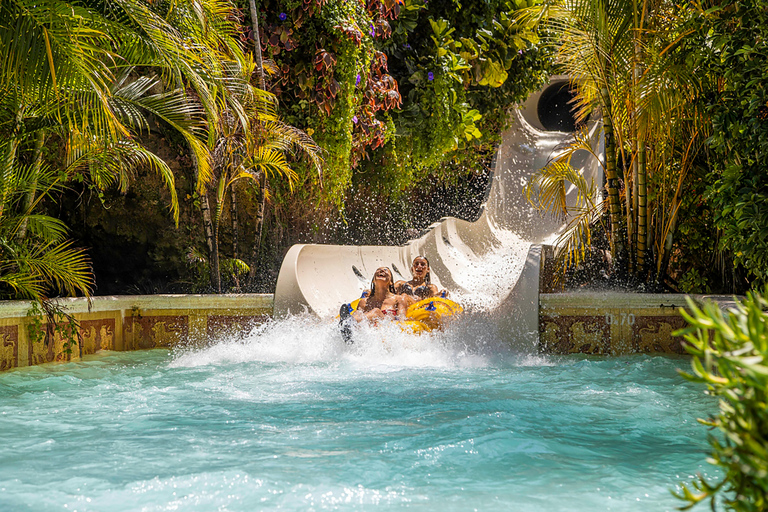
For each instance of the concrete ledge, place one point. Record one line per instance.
(614, 323)
(125, 323)
(606, 323)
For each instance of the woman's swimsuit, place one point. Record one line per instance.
(390, 312)
(422, 291)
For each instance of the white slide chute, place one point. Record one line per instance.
(491, 264)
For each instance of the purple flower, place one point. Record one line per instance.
(430, 76)
(357, 80)
(373, 30)
(406, 46)
(354, 119)
(283, 16)
(520, 52)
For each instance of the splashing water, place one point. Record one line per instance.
(290, 418)
(303, 339)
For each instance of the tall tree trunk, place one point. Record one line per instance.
(235, 226)
(210, 233)
(641, 192)
(259, 226)
(629, 218)
(263, 180)
(211, 240)
(632, 205)
(642, 207)
(9, 161)
(235, 233)
(618, 240)
(257, 45)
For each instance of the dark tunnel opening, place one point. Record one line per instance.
(555, 108)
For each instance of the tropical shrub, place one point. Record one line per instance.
(730, 356)
(736, 50)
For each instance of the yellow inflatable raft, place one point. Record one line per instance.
(427, 314)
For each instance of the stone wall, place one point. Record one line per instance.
(614, 323)
(124, 323)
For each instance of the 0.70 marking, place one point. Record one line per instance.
(623, 319)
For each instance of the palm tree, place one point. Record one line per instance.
(70, 77)
(629, 70)
(41, 261)
(252, 147)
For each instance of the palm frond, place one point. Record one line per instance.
(46, 228)
(576, 238)
(272, 163)
(66, 268)
(284, 137)
(22, 285)
(548, 188)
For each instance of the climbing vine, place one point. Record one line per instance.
(47, 319)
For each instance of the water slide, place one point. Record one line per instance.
(490, 265)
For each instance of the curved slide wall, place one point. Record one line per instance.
(491, 264)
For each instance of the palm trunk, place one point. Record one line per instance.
(642, 206)
(211, 239)
(9, 160)
(629, 205)
(618, 240)
(257, 45)
(235, 232)
(262, 182)
(259, 226)
(641, 192)
(210, 234)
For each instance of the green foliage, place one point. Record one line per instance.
(737, 51)
(35, 256)
(699, 264)
(730, 356)
(397, 89)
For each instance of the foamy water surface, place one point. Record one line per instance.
(291, 418)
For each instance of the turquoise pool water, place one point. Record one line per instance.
(289, 418)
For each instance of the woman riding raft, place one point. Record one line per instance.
(420, 286)
(382, 301)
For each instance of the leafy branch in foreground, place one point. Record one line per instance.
(730, 356)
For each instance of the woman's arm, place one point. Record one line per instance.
(359, 313)
(402, 307)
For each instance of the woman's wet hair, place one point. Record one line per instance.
(427, 280)
(391, 281)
